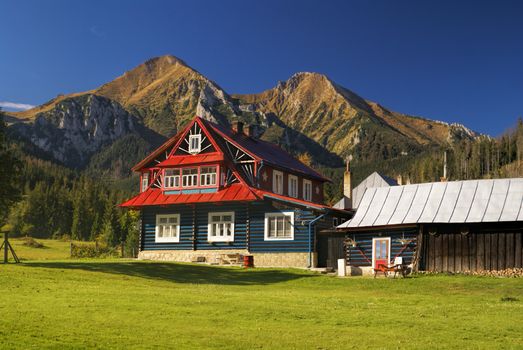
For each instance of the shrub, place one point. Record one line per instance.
(86, 250)
(31, 242)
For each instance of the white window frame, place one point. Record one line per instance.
(145, 181)
(175, 239)
(175, 179)
(190, 177)
(307, 195)
(275, 189)
(289, 187)
(278, 214)
(195, 150)
(211, 238)
(208, 177)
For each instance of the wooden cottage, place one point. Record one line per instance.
(211, 193)
(443, 227)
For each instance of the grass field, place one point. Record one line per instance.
(52, 249)
(128, 304)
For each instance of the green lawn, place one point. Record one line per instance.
(51, 250)
(127, 304)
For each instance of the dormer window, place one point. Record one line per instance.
(293, 186)
(172, 178)
(277, 182)
(195, 142)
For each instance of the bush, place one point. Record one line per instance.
(86, 250)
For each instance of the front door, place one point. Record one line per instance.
(380, 251)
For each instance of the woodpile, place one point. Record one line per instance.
(509, 273)
(513, 272)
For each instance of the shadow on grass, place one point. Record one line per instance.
(180, 273)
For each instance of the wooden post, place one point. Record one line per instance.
(6, 243)
(121, 249)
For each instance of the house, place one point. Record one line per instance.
(442, 226)
(352, 197)
(211, 191)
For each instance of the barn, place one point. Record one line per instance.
(213, 194)
(450, 226)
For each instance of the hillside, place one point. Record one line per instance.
(344, 123)
(308, 113)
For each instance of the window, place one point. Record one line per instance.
(307, 190)
(221, 227)
(190, 177)
(279, 226)
(145, 181)
(168, 228)
(208, 176)
(293, 186)
(277, 182)
(171, 178)
(195, 143)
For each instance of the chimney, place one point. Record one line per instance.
(237, 127)
(399, 180)
(347, 184)
(250, 131)
(444, 178)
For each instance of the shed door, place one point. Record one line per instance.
(380, 251)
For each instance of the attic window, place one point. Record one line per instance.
(195, 142)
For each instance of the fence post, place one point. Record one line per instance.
(6, 243)
(71, 249)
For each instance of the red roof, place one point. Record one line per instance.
(155, 196)
(195, 159)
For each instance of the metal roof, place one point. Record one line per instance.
(373, 180)
(470, 201)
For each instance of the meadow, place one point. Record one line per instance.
(136, 304)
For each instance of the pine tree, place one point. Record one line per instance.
(10, 165)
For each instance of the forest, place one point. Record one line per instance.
(58, 202)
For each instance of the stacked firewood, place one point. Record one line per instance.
(511, 272)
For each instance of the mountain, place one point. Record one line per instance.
(105, 129)
(344, 123)
(163, 93)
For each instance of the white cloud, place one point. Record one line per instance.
(16, 106)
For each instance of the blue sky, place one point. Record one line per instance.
(456, 61)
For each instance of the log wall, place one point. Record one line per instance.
(485, 247)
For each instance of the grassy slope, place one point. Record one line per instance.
(123, 304)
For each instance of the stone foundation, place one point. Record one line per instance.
(213, 256)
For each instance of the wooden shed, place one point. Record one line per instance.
(443, 226)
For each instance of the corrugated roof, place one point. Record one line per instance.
(156, 196)
(193, 159)
(471, 201)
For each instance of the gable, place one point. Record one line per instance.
(195, 139)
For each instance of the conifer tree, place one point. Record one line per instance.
(10, 165)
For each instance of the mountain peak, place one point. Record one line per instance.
(161, 62)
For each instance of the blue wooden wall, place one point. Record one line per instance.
(364, 245)
(244, 213)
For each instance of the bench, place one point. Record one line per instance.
(230, 259)
(398, 268)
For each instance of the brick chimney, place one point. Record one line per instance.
(250, 131)
(237, 127)
(347, 184)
